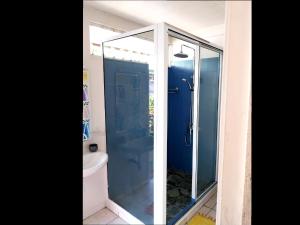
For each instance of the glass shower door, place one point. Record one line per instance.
(208, 97)
(129, 112)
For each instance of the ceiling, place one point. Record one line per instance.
(202, 18)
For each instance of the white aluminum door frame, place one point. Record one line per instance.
(196, 125)
(219, 100)
(160, 125)
(220, 52)
(195, 108)
(131, 33)
(201, 43)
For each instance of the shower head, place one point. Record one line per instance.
(186, 81)
(181, 54)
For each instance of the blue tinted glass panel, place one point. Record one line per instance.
(208, 118)
(129, 111)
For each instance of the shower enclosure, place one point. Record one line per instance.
(162, 93)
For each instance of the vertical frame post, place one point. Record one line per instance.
(160, 123)
(196, 122)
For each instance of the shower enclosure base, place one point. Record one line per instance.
(129, 218)
(203, 199)
(139, 202)
(122, 213)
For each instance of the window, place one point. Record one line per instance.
(97, 35)
(134, 49)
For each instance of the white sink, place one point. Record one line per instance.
(93, 161)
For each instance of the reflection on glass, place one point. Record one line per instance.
(208, 118)
(86, 130)
(129, 106)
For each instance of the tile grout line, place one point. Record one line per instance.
(211, 207)
(113, 219)
(205, 214)
(208, 201)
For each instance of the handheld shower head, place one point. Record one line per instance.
(186, 81)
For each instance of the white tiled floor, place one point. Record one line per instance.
(209, 208)
(104, 216)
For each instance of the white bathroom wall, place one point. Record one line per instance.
(234, 186)
(247, 210)
(94, 66)
(95, 186)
